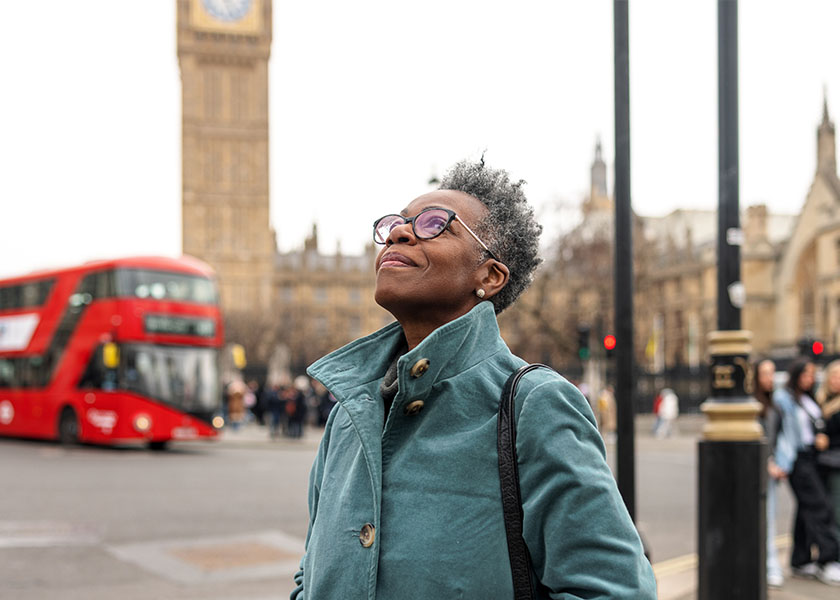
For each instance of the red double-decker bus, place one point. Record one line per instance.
(113, 351)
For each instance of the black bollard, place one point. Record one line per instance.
(732, 480)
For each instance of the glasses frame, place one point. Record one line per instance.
(453, 216)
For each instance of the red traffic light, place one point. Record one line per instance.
(609, 342)
(817, 348)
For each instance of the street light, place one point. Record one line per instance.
(732, 474)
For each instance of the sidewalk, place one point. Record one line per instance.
(254, 435)
(676, 577)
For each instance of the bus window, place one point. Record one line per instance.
(25, 295)
(164, 285)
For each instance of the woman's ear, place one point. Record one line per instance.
(493, 276)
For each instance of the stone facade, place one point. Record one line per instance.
(315, 302)
(324, 301)
(790, 268)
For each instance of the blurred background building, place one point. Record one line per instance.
(308, 302)
(790, 270)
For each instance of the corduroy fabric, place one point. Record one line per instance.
(429, 482)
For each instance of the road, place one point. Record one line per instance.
(205, 521)
(223, 520)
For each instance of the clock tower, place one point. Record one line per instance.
(223, 52)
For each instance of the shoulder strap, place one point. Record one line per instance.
(520, 560)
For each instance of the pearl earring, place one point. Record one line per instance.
(480, 293)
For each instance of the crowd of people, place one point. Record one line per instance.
(802, 424)
(284, 406)
(801, 420)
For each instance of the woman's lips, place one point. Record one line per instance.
(395, 259)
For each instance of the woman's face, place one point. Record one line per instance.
(431, 279)
(834, 381)
(766, 370)
(806, 379)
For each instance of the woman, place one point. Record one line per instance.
(828, 397)
(770, 421)
(797, 458)
(669, 410)
(404, 494)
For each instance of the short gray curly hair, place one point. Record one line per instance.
(509, 229)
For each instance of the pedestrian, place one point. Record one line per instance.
(325, 401)
(291, 411)
(274, 405)
(657, 421)
(249, 400)
(236, 403)
(405, 497)
(828, 461)
(771, 421)
(797, 458)
(607, 418)
(259, 407)
(669, 410)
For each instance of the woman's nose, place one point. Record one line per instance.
(401, 234)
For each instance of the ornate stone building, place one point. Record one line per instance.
(324, 301)
(806, 276)
(314, 302)
(223, 52)
(790, 268)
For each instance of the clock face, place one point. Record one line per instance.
(227, 10)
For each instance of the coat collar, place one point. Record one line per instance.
(450, 349)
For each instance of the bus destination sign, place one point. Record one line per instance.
(180, 325)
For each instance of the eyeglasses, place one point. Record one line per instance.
(426, 225)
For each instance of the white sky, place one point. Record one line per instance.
(370, 97)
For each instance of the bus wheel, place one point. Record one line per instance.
(68, 427)
(157, 445)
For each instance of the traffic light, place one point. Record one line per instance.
(583, 341)
(609, 344)
(811, 348)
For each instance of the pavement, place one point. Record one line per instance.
(676, 577)
(253, 435)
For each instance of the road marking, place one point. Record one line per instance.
(227, 558)
(44, 534)
(688, 562)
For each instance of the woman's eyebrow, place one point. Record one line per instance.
(404, 211)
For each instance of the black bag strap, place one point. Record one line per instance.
(520, 560)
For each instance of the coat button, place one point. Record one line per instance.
(420, 367)
(413, 407)
(367, 535)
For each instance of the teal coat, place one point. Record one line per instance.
(413, 510)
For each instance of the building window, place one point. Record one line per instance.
(287, 294)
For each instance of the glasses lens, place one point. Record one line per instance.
(383, 227)
(431, 223)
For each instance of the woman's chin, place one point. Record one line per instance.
(386, 297)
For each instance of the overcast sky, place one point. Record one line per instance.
(370, 98)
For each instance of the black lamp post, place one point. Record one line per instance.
(731, 467)
(626, 455)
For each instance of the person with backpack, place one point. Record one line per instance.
(406, 493)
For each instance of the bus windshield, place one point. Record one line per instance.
(183, 377)
(165, 285)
